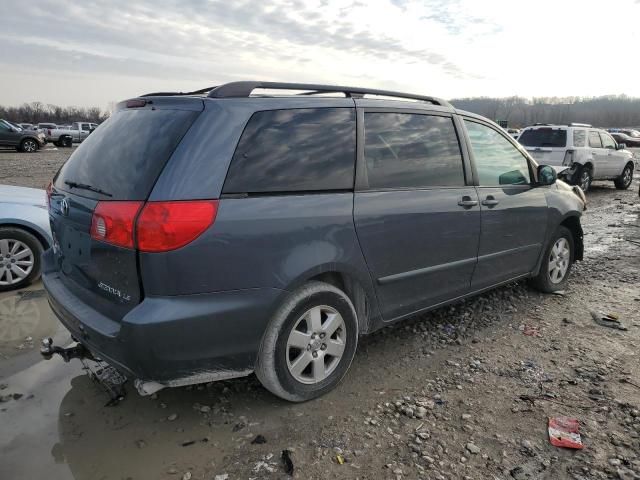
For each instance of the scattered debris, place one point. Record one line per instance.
(238, 426)
(172, 417)
(224, 476)
(340, 459)
(564, 432)
(287, 462)
(192, 442)
(531, 331)
(186, 476)
(608, 320)
(473, 448)
(259, 440)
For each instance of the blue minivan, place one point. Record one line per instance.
(208, 235)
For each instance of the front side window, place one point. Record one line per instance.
(594, 140)
(579, 138)
(607, 141)
(410, 151)
(4, 127)
(498, 162)
(308, 149)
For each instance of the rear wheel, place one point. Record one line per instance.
(19, 258)
(624, 180)
(28, 145)
(557, 262)
(309, 343)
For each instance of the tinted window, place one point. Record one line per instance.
(498, 162)
(543, 137)
(295, 150)
(594, 140)
(126, 154)
(607, 141)
(4, 127)
(407, 150)
(579, 138)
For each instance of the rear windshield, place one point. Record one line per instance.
(125, 155)
(543, 137)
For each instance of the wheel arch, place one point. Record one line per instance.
(34, 230)
(358, 289)
(572, 223)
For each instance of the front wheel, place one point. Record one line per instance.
(309, 343)
(624, 180)
(28, 145)
(556, 263)
(19, 258)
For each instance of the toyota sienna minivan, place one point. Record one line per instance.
(208, 235)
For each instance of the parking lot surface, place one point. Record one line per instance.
(461, 392)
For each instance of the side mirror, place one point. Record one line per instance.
(546, 175)
(621, 146)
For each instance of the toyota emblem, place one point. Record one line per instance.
(64, 207)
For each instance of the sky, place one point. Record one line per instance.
(92, 53)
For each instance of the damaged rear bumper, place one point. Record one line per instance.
(171, 341)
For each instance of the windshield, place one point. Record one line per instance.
(544, 137)
(123, 158)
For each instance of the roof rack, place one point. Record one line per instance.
(244, 89)
(169, 94)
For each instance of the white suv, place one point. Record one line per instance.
(589, 153)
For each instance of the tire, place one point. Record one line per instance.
(14, 273)
(625, 180)
(29, 145)
(584, 178)
(547, 280)
(278, 357)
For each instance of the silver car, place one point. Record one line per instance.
(24, 235)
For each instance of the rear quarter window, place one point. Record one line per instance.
(579, 138)
(126, 154)
(293, 150)
(544, 137)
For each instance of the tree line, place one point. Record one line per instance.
(610, 111)
(38, 112)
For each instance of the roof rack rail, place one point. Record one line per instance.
(169, 94)
(244, 89)
(574, 124)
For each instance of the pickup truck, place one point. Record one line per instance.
(64, 137)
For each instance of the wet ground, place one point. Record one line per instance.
(462, 392)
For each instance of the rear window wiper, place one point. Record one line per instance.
(84, 186)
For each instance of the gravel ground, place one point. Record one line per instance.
(464, 392)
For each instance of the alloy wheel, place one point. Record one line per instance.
(316, 344)
(16, 261)
(585, 180)
(559, 260)
(29, 146)
(627, 176)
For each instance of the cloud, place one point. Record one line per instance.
(440, 47)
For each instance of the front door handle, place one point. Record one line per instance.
(467, 202)
(490, 201)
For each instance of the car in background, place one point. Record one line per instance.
(27, 126)
(47, 126)
(513, 132)
(65, 137)
(589, 153)
(629, 141)
(11, 135)
(24, 235)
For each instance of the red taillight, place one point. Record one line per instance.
(113, 222)
(164, 226)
